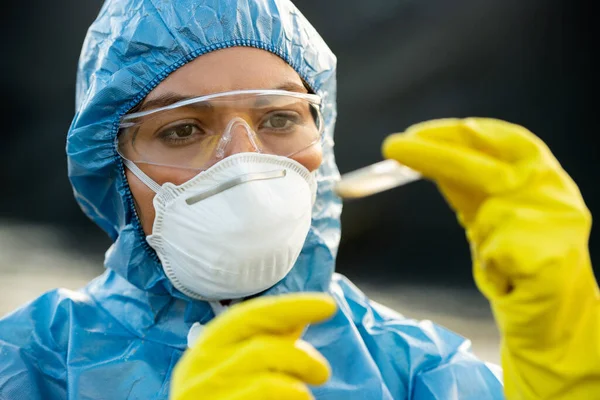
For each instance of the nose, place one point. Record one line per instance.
(238, 137)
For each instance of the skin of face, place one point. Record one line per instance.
(235, 68)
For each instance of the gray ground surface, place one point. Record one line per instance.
(36, 259)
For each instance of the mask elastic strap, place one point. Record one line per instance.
(141, 175)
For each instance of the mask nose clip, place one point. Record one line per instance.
(227, 136)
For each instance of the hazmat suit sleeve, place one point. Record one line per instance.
(528, 228)
(32, 358)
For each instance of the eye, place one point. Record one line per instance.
(181, 132)
(281, 120)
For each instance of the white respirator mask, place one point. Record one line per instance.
(235, 229)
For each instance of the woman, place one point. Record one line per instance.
(202, 144)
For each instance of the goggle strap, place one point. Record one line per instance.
(141, 175)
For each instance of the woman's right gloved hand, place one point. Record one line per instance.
(254, 351)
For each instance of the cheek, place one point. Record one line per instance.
(144, 196)
(310, 158)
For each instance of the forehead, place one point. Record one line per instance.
(234, 68)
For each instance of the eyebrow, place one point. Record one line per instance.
(169, 98)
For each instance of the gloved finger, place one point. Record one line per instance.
(296, 358)
(447, 162)
(490, 281)
(272, 386)
(504, 140)
(498, 139)
(517, 248)
(264, 386)
(465, 203)
(492, 214)
(282, 314)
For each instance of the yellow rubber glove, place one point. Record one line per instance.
(528, 228)
(253, 351)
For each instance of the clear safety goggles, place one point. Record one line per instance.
(198, 132)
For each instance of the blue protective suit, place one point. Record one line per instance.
(121, 335)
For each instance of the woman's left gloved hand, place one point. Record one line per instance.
(253, 350)
(528, 228)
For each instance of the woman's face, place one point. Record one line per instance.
(235, 68)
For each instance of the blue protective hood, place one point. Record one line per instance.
(134, 45)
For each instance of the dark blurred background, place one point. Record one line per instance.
(399, 62)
